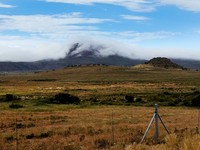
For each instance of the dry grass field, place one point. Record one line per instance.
(97, 127)
(103, 119)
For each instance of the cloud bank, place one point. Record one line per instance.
(43, 36)
(50, 36)
(21, 49)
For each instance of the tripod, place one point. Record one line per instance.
(156, 116)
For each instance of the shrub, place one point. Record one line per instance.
(20, 125)
(2, 99)
(166, 93)
(129, 98)
(186, 102)
(30, 136)
(64, 98)
(196, 92)
(10, 138)
(196, 101)
(10, 97)
(45, 134)
(138, 99)
(93, 100)
(101, 143)
(15, 106)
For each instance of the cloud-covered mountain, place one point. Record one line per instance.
(78, 54)
(85, 54)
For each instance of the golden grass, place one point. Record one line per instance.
(172, 143)
(91, 127)
(107, 82)
(81, 127)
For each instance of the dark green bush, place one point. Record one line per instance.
(138, 99)
(129, 98)
(187, 103)
(196, 92)
(15, 106)
(196, 101)
(93, 100)
(64, 98)
(2, 99)
(166, 93)
(10, 97)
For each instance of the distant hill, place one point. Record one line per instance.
(67, 62)
(191, 64)
(80, 55)
(162, 62)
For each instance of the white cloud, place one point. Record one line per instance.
(140, 5)
(70, 25)
(48, 24)
(55, 46)
(130, 49)
(170, 52)
(190, 5)
(18, 48)
(49, 36)
(134, 5)
(135, 18)
(142, 36)
(14, 48)
(5, 6)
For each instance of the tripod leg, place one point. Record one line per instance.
(148, 127)
(156, 125)
(163, 124)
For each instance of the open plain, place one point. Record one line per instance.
(115, 108)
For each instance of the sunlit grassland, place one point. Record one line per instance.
(44, 125)
(102, 80)
(81, 127)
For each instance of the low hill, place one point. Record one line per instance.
(162, 62)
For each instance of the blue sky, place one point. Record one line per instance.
(41, 29)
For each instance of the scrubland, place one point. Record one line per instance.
(116, 105)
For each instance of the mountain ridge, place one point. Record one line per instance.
(85, 55)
